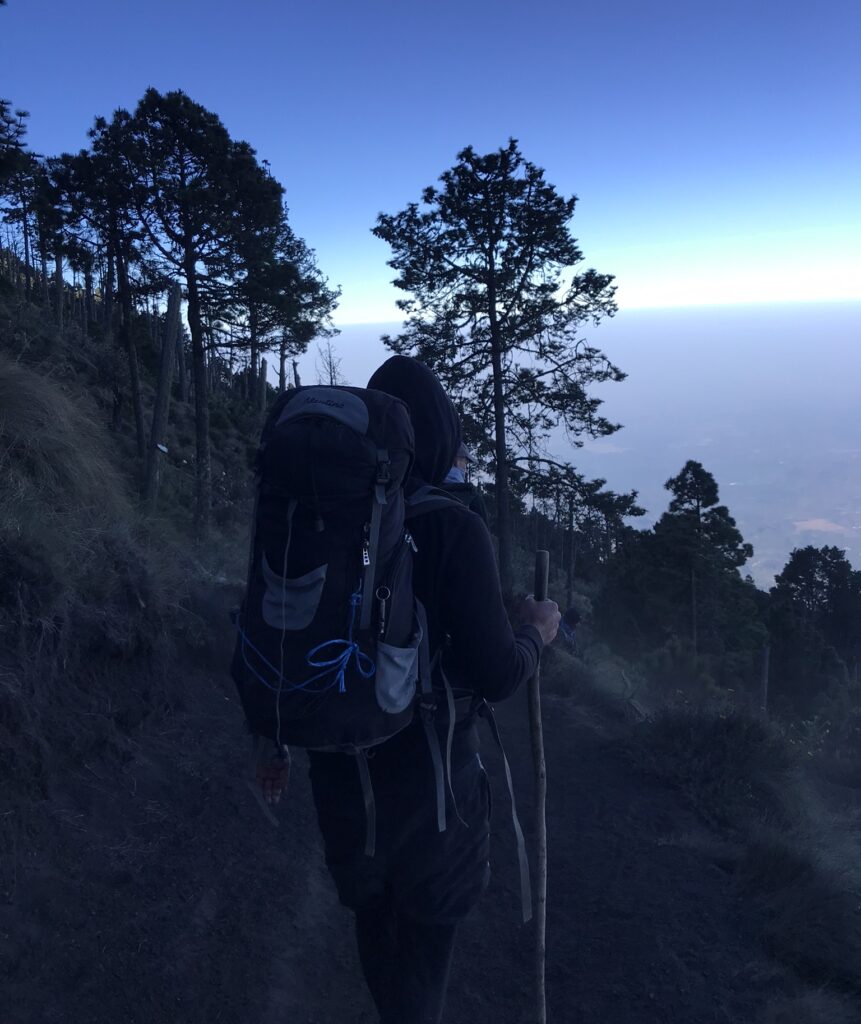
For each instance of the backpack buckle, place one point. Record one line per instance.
(383, 466)
(427, 708)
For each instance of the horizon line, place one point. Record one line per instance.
(836, 301)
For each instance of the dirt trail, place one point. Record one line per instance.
(644, 925)
(155, 891)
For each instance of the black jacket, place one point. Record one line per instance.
(455, 574)
(468, 494)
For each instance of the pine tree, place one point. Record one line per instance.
(496, 310)
(815, 623)
(181, 160)
(700, 535)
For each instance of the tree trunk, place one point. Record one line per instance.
(503, 508)
(763, 680)
(261, 386)
(203, 470)
(88, 295)
(43, 261)
(297, 382)
(26, 225)
(58, 286)
(253, 342)
(46, 295)
(131, 351)
(108, 297)
(282, 365)
(162, 398)
(181, 369)
(572, 556)
(694, 630)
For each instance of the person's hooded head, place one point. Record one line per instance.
(435, 420)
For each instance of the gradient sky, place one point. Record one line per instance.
(715, 148)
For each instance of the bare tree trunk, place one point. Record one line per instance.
(203, 469)
(297, 382)
(181, 368)
(282, 364)
(694, 615)
(131, 351)
(254, 347)
(43, 260)
(58, 285)
(262, 385)
(46, 295)
(162, 399)
(26, 219)
(763, 680)
(88, 295)
(503, 508)
(572, 556)
(108, 297)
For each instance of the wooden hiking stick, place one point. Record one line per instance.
(542, 568)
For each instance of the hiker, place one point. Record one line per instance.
(405, 821)
(456, 483)
(568, 629)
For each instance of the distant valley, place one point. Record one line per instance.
(766, 397)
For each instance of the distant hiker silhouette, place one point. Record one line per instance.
(568, 629)
(372, 632)
(456, 483)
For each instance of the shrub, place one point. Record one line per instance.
(731, 767)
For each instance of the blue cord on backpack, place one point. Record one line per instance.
(246, 643)
(348, 648)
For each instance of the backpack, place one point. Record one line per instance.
(328, 634)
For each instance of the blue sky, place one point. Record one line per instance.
(715, 149)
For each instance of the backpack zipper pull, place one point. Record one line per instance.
(383, 595)
(366, 546)
(408, 538)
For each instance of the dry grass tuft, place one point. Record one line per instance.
(814, 1007)
(50, 451)
(811, 902)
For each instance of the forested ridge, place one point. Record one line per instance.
(153, 297)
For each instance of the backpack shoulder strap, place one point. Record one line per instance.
(427, 499)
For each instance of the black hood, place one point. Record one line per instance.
(435, 419)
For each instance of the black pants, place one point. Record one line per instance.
(421, 882)
(406, 965)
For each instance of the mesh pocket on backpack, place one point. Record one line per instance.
(397, 674)
(291, 604)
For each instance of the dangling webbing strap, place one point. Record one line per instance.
(370, 805)
(449, 740)
(427, 711)
(486, 711)
(253, 538)
(374, 538)
(291, 511)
